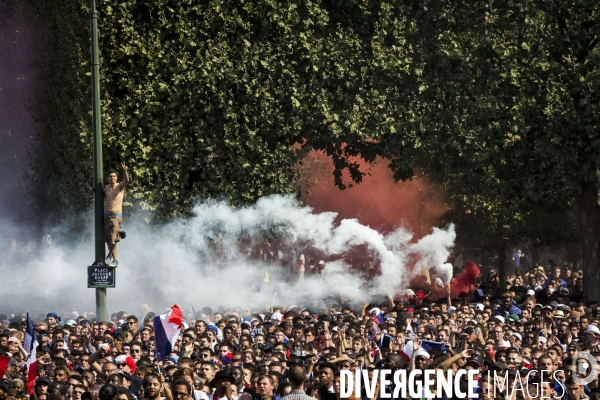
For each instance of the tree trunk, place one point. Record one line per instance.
(535, 254)
(502, 266)
(574, 255)
(588, 223)
(501, 254)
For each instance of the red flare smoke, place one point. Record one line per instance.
(378, 201)
(465, 279)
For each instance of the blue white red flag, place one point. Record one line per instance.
(166, 331)
(30, 346)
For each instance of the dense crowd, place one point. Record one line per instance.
(536, 322)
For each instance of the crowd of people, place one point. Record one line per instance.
(536, 323)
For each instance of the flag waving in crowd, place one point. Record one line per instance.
(30, 345)
(166, 331)
(4, 361)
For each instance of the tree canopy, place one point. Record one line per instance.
(506, 106)
(214, 99)
(221, 99)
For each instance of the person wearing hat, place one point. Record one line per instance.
(222, 385)
(513, 318)
(127, 364)
(320, 267)
(41, 386)
(53, 320)
(573, 350)
(382, 340)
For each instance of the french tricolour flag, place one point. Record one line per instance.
(166, 331)
(376, 312)
(30, 345)
(408, 350)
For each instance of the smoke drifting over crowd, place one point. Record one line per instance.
(204, 261)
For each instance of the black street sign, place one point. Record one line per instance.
(101, 277)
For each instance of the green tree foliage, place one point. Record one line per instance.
(211, 99)
(506, 106)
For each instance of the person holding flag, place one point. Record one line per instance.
(166, 331)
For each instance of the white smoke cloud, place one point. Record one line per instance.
(201, 261)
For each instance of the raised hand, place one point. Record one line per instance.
(466, 353)
(539, 323)
(401, 339)
(124, 166)
(228, 391)
(416, 344)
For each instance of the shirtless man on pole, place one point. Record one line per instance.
(113, 212)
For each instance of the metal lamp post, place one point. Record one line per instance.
(101, 305)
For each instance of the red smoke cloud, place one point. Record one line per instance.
(464, 280)
(460, 283)
(378, 201)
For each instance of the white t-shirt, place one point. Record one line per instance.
(199, 395)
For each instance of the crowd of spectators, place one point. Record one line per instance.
(538, 321)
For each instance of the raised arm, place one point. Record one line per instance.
(93, 359)
(391, 304)
(416, 347)
(165, 388)
(363, 310)
(125, 180)
(463, 354)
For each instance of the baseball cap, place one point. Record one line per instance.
(474, 360)
(499, 365)
(513, 317)
(298, 353)
(593, 329)
(389, 316)
(576, 345)
(373, 330)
